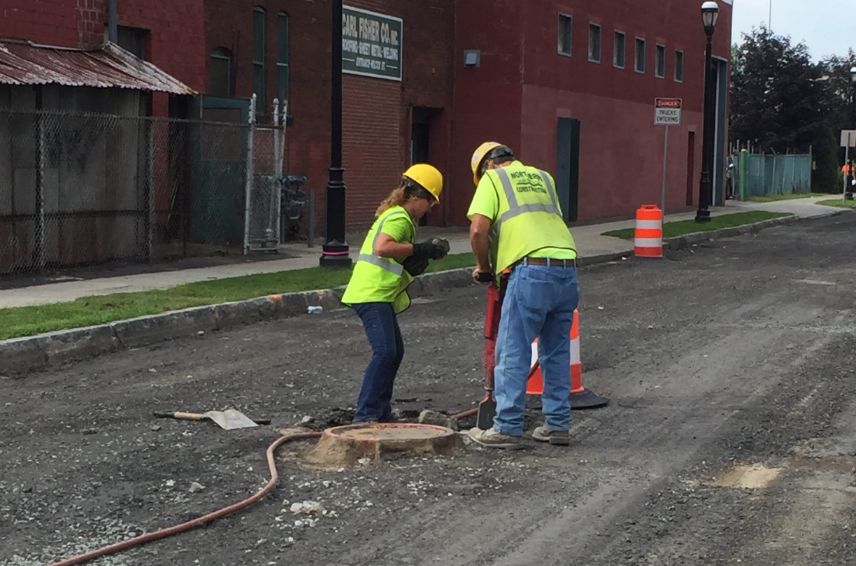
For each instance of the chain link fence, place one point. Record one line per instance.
(83, 189)
(756, 174)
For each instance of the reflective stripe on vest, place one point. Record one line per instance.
(528, 216)
(377, 279)
(386, 263)
(515, 209)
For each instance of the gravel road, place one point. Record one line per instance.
(730, 438)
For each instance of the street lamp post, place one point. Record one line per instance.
(335, 250)
(709, 13)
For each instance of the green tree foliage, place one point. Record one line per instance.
(782, 102)
(775, 94)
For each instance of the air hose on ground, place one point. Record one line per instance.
(204, 519)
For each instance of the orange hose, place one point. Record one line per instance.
(204, 519)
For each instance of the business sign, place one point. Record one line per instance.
(371, 44)
(667, 111)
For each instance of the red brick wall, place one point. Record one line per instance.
(176, 35)
(377, 112)
(47, 21)
(371, 144)
(176, 31)
(523, 86)
(92, 19)
(229, 24)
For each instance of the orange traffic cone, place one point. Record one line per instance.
(581, 398)
(648, 235)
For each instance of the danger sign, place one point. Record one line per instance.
(667, 111)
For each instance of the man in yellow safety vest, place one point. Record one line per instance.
(519, 237)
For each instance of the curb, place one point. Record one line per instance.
(34, 352)
(29, 353)
(682, 242)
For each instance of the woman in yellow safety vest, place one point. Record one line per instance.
(388, 261)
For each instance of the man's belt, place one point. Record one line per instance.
(548, 261)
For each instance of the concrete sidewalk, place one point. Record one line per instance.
(591, 244)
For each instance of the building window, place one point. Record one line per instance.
(282, 56)
(679, 66)
(220, 73)
(594, 43)
(259, 19)
(660, 63)
(133, 40)
(565, 34)
(618, 50)
(640, 55)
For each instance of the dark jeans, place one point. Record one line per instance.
(381, 326)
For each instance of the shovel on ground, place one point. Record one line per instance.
(487, 406)
(230, 419)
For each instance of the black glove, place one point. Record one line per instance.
(483, 276)
(435, 248)
(415, 265)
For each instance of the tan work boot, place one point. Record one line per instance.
(492, 438)
(554, 437)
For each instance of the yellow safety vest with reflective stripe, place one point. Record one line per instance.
(378, 279)
(529, 220)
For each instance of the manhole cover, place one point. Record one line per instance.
(345, 445)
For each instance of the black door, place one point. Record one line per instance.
(568, 166)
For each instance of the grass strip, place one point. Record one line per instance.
(840, 203)
(100, 309)
(683, 227)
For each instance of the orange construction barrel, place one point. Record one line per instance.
(648, 237)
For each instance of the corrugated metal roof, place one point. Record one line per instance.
(108, 67)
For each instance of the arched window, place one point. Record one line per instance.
(259, 83)
(282, 56)
(220, 73)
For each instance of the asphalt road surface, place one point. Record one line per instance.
(730, 438)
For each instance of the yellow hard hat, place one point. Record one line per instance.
(426, 176)
(478, 156)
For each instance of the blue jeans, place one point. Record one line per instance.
(539, 303)
(381, 326)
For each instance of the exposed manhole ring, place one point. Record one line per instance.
(345, 445)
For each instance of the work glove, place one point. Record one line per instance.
(435, 248)
(415, 265)
(483, 276)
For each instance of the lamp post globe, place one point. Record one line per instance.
(709, 14)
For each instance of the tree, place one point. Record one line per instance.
(775, 94)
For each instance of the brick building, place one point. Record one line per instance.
(569, 85)
(280, 48)
(167, 34)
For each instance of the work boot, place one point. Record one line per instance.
(492, 438)
(554, 437)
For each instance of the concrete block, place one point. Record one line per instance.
(18, 355)
(229, 315)
(78, 343)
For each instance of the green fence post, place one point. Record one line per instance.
(743, 169)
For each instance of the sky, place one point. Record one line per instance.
(827, 27)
